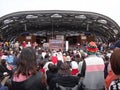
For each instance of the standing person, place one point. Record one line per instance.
(74, 67)
(26, 76)
(16, 46)
(64, 80)
(115, 66)
(93, 69)
(54, 58)
(24, 44)
(10, 57)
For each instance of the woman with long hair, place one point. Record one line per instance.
(26, 76)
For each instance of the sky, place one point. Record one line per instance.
(108, 8)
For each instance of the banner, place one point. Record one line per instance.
(56, 44)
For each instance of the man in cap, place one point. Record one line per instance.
(93, 69)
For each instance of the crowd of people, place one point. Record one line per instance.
(92, 66)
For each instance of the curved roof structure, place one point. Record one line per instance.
(47, 22)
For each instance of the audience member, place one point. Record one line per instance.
(51, 72)
(93, 69)
(64, 80)
(3, 80)
(26, 76)
(5, 74)
(74, 67)
(115, 65)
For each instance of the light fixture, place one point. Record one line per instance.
(7, 21)
(56, 16)
(80, 17)
(115, 31)
(31, 17)
(102, 21)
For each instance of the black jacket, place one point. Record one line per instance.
(32, 83)
(63, 80)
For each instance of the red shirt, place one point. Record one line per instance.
(74, 71)
(54, 59)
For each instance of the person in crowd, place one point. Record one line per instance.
(1, 52)
(106, 61)
(64, 79)
(78, 57)
(115, 66)
(51, 72)
(24, 44)
(81, 61)
(74, 66)
(5, 75)
(59, 64)
(16, 46)
(4, 54)
(28, 44)
(43, 54)
(60, 56)
(115, 45)
(41, 69)
(54, 58)
(35, 45)
(64, 57)
(93, 69)
(4, 67)
(26, 76)
(47, 63)
(64, 69)
(47, 56)
(3, 78)
(6, 46)
(111, 75)
(40, 66)
(10, 57)
(68, 58)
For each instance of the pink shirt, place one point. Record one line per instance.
(20, 78)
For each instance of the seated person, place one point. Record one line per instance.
(5, 74)
(64, 79)
(51, 72)
(26, 76)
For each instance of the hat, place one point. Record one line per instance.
(92, 47)
(115, 45)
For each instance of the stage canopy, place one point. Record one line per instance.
(48, 22)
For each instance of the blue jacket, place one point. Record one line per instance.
(3, 87)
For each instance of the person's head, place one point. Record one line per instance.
(40, 65)
(53, 68)
(3, 62)
(26, 64)
(115, 61)
(92, 48)
(65, 69)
